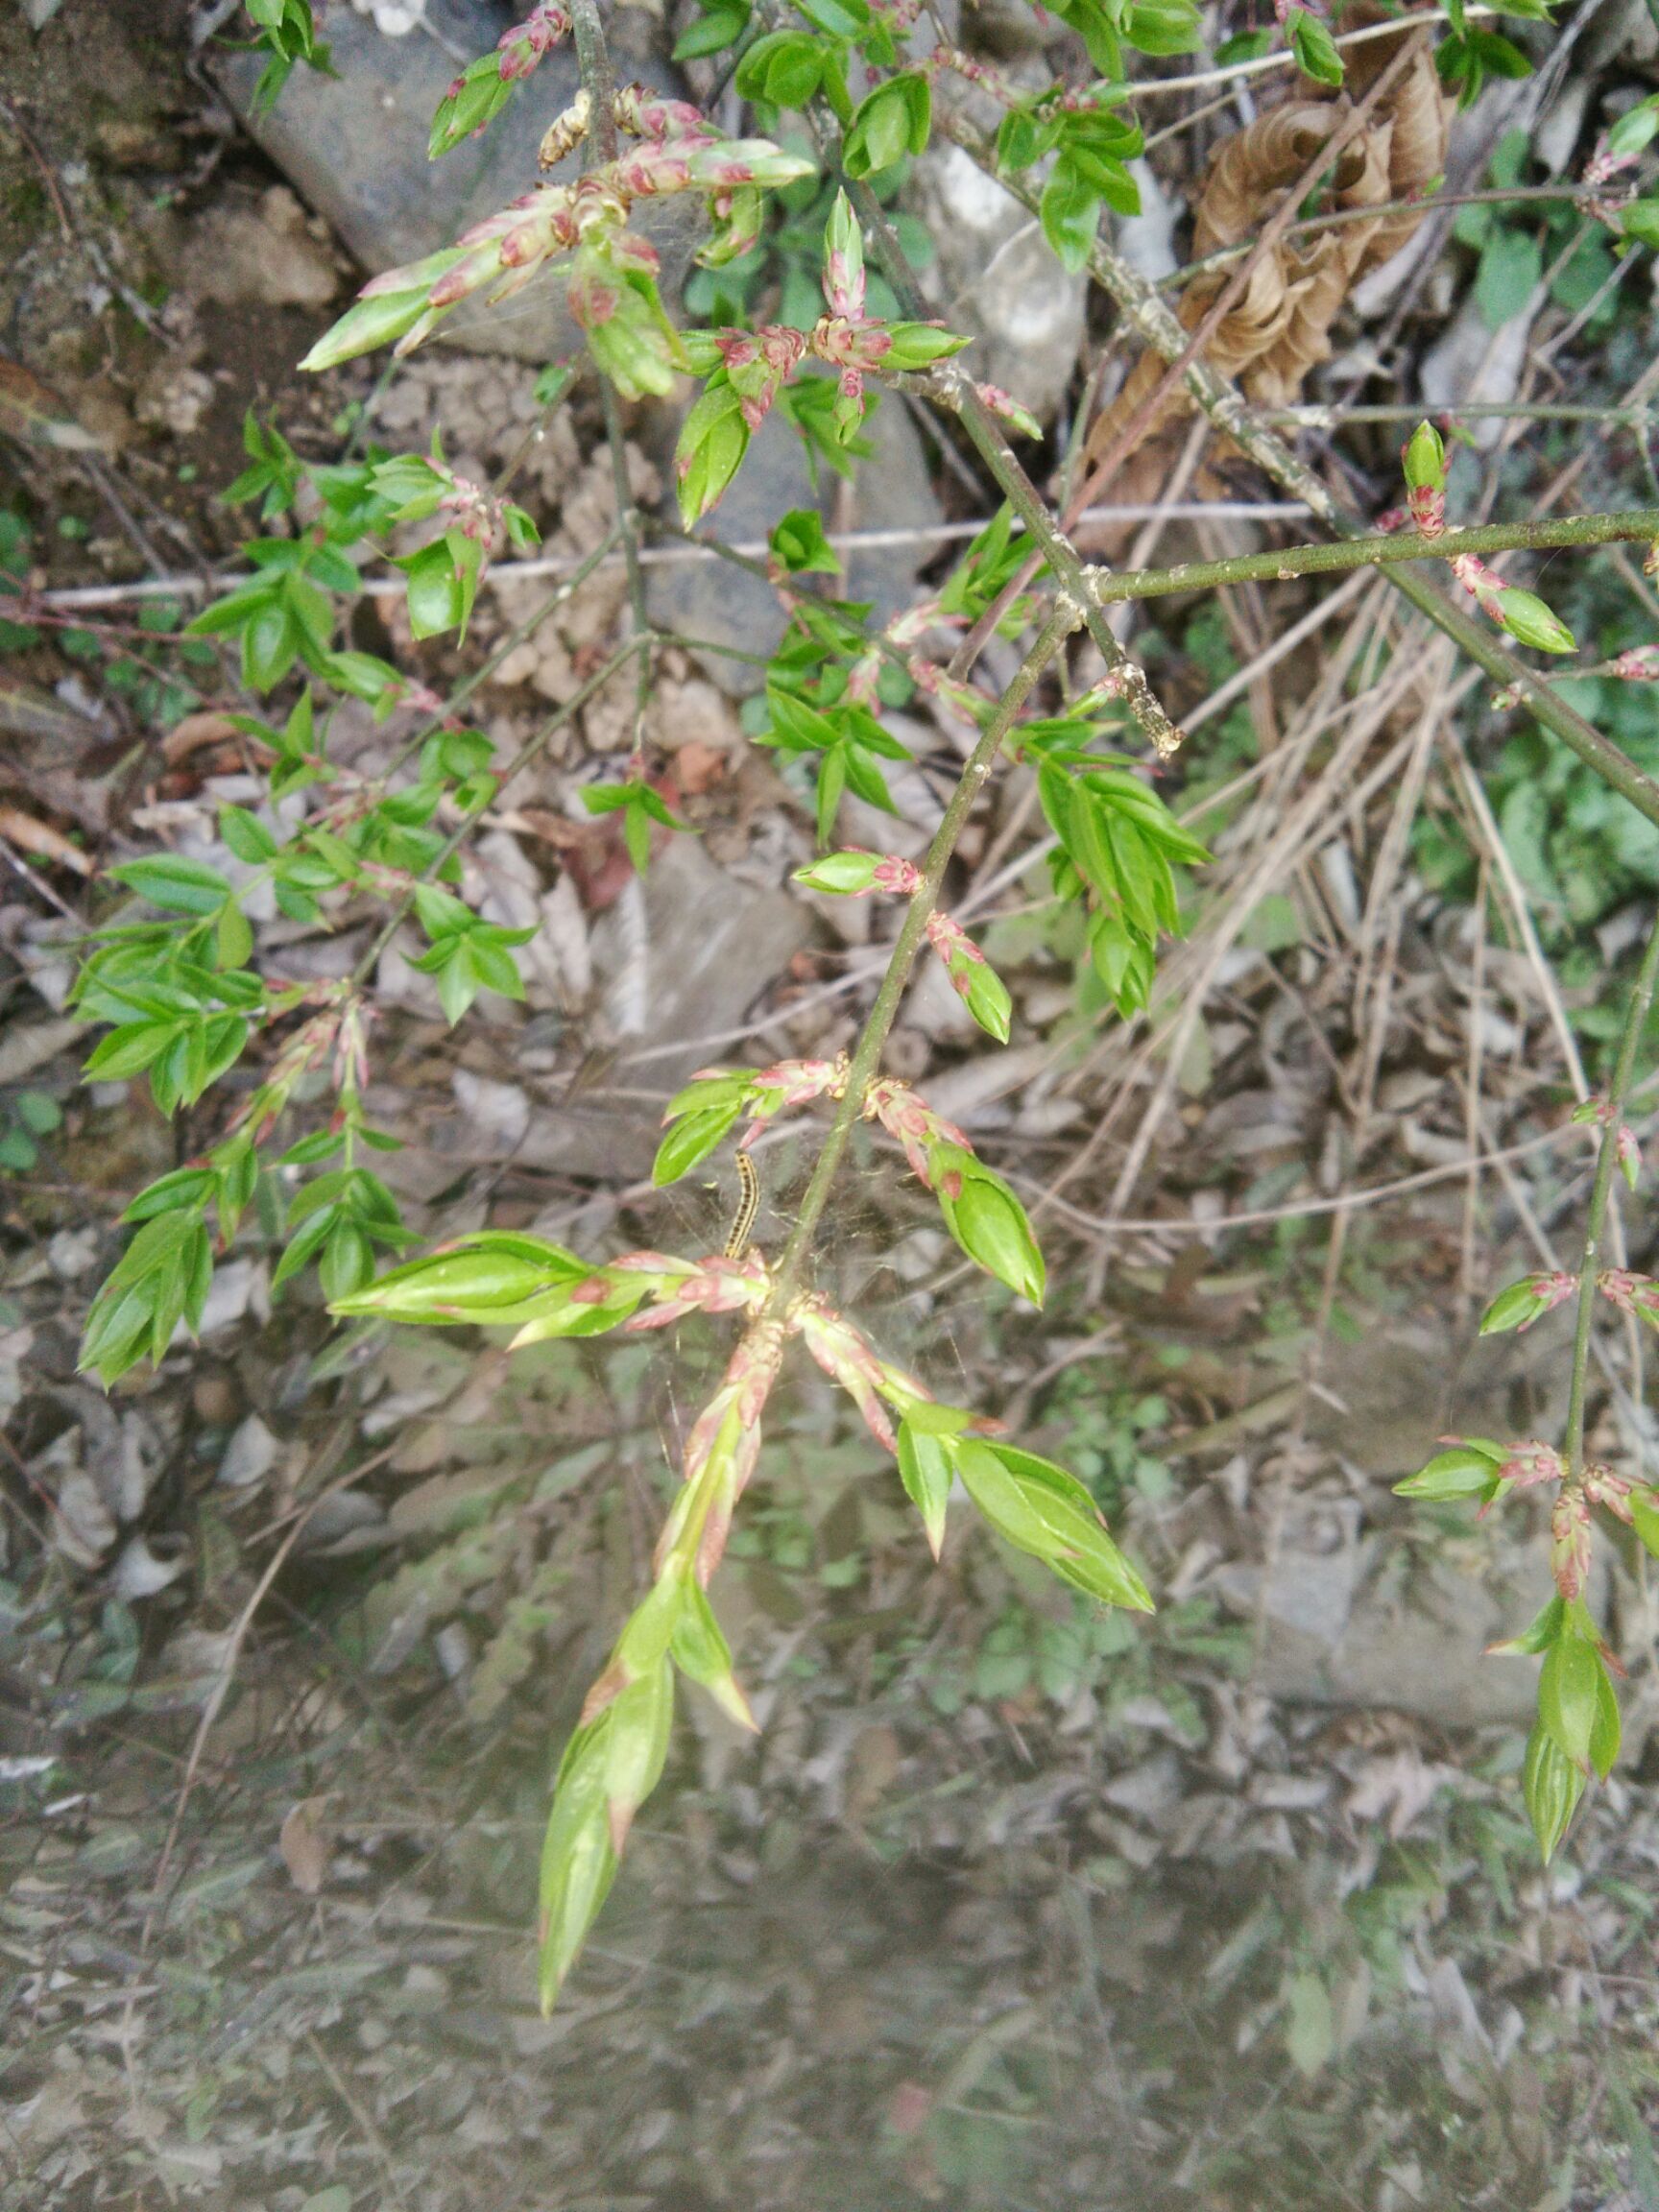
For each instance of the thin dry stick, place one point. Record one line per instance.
(1374, 981)
(1293, 1209)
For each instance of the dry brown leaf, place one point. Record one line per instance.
(40, 837)
(32, 413)
(305, 1845)
(209, 727)
(1281, 327)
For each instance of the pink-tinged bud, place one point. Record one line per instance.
(1631, 1293)
(953, 946)
(643, 116)
(1602, 1487)
(1391, 520)
(713, 1286)
(522, 46)
(1521, 1303)
(1638, 664)
(1625, 1149)
(843, 1355)
(1522, 613)
(1532, 1463)
(897, 878)
(792, 1083)
(1487, 586)
(1004, 404)
(1428, 511)
(1628, 1154)
(1570, 1545)
(912, 1122)
(976, 981)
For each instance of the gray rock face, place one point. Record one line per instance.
(994, 277)
(355, 148)
(891, 490)
(1375, 1607)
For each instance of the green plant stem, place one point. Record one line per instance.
(1637, 525)
(1600, 1191)
(521, 761)
(867, 1056)
(1156, 323)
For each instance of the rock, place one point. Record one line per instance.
(355, 146)
(994, 277)
(247, 254)
(674, 965)
(1343, 1628)
(892, 490)
(1364, 1616)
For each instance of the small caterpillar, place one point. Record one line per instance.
(748, 1206)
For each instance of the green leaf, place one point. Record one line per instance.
(1604, 1735)
(840, 18)
(385, 316)
(1465, 1471)
(785, 69)
(888, 123)
(717, 27)
(1163, 27)
(1538, 1635)
(1316, 50)
(491, 1278)
(1552, 1786)
(246, 836)
(1569, 1696)
(1515, 1306)
(799, 544)
(1069, 214)
(39, 1112)
(692, 1138)
(1511, 267)
(1645, 1518)
(928, 1469)
(233, 936)
(438, 596)
(1042, 1510)
(988, 1222)
(701, 1652)
(167, 879)
(160, 1280)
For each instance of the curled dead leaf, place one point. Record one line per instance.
(305, 1845)
(1281, 327)
(33, 414)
